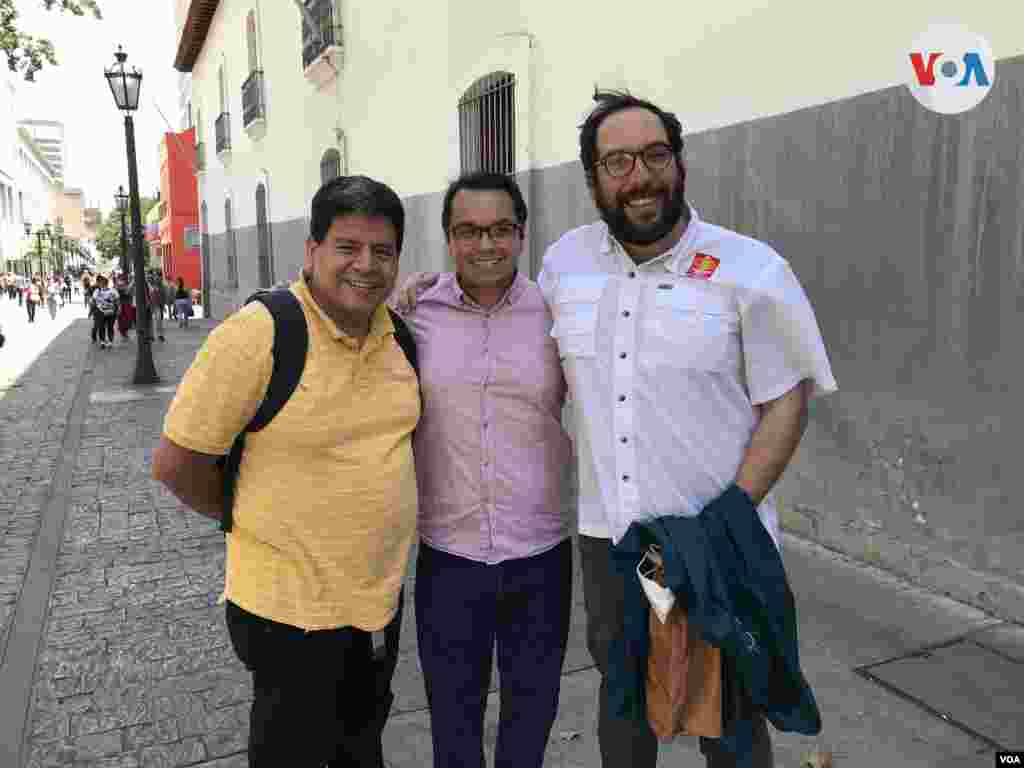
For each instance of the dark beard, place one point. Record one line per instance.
(626, 232)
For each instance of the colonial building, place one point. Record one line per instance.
(177, 212)
(902, 222)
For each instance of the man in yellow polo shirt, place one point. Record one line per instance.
(325, 502)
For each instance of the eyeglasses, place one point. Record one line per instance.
(621, 162)
(500, 232)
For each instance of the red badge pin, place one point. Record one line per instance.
(703, 266)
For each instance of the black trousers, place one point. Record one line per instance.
(464, 609)
(625, 742)
(102, 327)
(31, 306)
(319, 698)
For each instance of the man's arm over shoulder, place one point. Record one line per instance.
(216, 399)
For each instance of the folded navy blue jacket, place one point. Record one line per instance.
(724, 568)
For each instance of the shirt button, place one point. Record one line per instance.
(625, 313)
(625, 478)
(622, 355)
(622, 398)
(632, 274)
(623, 439)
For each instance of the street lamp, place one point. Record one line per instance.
(121, 199)
(56, 243)
(24, 256)
(42, 232)
(125, 86)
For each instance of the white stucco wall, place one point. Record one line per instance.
(406, 65)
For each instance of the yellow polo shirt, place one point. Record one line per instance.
(325, 506)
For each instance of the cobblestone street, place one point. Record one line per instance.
(133, 664)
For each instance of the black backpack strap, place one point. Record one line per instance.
(405, 340)
(291, 343)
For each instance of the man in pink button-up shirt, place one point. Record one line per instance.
(495, 561)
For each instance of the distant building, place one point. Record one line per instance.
(177, 241)
(49, 136)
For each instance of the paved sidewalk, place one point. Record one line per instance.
(134, 667)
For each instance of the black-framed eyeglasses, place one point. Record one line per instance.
(499, 232)
(621, 162)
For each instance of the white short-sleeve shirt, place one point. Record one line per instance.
(665, 362)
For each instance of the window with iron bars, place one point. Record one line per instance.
(327, 24)
(222, 127)
(487, 120)
(253, 107)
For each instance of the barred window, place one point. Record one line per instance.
(330, 165)
(487, 118)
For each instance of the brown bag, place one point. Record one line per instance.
(684, 677)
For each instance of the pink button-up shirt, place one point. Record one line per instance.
(491, 453)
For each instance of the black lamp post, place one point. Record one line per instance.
(121, 199)
(56, 243)
(125, 87)
(42, 232)
(24, 256)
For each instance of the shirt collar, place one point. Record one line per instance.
(380, 322)
(670, 259)
(448, 287)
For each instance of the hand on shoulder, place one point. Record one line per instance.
(415, 284)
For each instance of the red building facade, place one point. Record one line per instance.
(179, 209)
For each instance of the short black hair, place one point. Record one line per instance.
(483, 180)
(610, 102)
(347, 195)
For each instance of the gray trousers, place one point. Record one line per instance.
(626, 743)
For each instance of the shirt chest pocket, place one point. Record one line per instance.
(575, 314)
(684, 329)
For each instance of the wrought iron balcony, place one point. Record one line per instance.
(322, 12)
(222, 128)
(253, 105)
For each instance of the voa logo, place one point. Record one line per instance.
(950, 69)
(1009, 760)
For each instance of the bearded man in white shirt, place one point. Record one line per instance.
(690, 352)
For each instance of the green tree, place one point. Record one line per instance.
(108, 239)
(27, 53)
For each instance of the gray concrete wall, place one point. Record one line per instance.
(905, 229)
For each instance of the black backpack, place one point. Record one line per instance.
(291, 342)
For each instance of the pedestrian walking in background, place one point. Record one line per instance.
(495, 574)
(105, 311)
(157, 305)
(88, 283)
(324, 513)
(182, 304)
(51, 298)
(126, 309)
(33, 298)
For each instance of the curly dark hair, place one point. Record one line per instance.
(610, 102)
